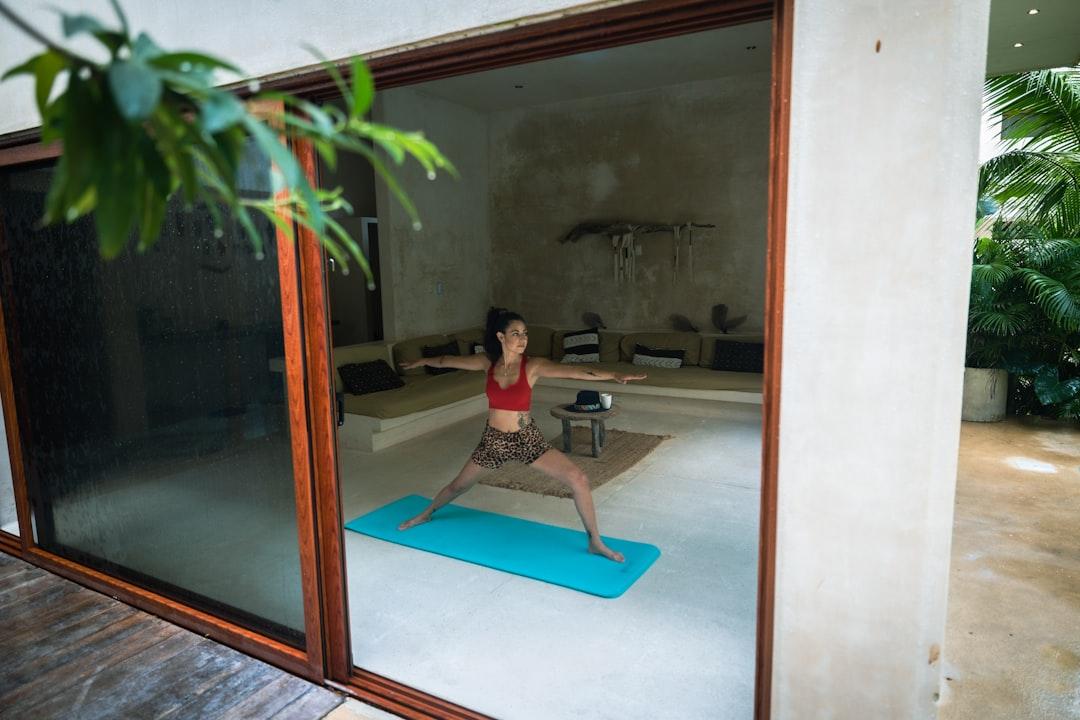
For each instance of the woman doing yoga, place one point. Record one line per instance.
(511, 433)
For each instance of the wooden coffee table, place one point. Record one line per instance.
(599, 432)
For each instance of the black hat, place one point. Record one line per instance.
(587, 401)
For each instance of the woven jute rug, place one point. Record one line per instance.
(622, 450)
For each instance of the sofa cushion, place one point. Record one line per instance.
(467, 339)
(689, 342)
(421, 392)
(357, 354)
(369, 377)
(609, 346)
(739, 356)
(433, 351)
(409, 350)
(708, 344)
(581, 346)
(645, 356)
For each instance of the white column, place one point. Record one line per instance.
(881, 206)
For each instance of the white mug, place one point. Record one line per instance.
(605, 400)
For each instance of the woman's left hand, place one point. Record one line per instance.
(623, 379)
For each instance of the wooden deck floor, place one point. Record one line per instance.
(69, 652)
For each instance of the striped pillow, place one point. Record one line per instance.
(658, 357)
(582, 346)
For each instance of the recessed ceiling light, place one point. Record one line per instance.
(1033, 11)
(1018, 44)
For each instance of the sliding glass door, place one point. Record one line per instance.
(152, 409)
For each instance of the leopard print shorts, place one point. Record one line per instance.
(497, 447)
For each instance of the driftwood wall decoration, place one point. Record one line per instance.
(624, 243)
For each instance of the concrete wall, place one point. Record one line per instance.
(436, 279)
(880, 208)
(693, 152)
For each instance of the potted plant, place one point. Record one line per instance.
(1024, 319)
(1024, 312)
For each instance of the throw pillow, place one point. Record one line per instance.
(582, 346)
(430, 351)
(739, 356)
(658, 357)
(369, 377)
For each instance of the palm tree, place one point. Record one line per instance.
(1025, 291)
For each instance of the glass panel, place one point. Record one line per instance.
(151, 403)
(9, 521)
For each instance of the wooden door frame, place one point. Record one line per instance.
(584, 32)
(574, 33)
(308, 662)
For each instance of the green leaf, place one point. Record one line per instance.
(290, 169)
(73, 190)
(76, 24)
(145, 49)
(136, 88)
(118, 186)
(363, 88)
(221, 110)
(1051, 390)
(189, 61)
(44, 67)
(157, 185)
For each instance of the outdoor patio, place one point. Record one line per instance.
(1012, 646)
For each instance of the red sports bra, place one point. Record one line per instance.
(516, 397)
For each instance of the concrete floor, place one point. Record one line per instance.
(1012, 645)
(678, 644)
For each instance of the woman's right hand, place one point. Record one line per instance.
(410, 364)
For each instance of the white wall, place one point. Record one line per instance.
(880, 210)
(263, 36)
(437, 279)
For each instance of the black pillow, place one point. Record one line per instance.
(581, 346)
(430, 351)
(739, 356)
(658, 357)
(369, 377)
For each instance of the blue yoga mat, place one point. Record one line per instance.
(523, 547)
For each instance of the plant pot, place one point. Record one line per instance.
(985, 394)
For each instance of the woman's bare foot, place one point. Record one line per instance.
(597, 547)
(413, 522)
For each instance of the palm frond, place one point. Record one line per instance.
(1053, 298)
(1000, 320)
(1044, 107)
(1040, 187)
(990, 275)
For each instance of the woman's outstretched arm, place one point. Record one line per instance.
(548, 368)
(457, 362)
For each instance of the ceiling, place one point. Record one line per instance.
(698, 56)
(1050, 38)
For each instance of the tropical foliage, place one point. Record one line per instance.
(1025, 289)
(148, 123)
